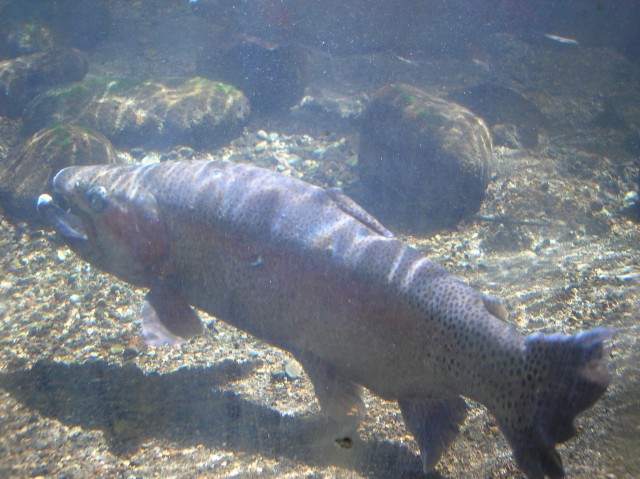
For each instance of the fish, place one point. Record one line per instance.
(408, 61)
(310, 271)
(563, 40)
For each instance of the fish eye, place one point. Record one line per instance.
(97, 198)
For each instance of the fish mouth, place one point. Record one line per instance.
(68, 225)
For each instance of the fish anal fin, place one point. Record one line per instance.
(352, 208)
(167, 318)
(434, 423)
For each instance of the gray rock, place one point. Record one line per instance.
(424, 162)
(29, 26)
(272, 76)
(498, 105)
(23, 78)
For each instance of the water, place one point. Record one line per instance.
(556, 236)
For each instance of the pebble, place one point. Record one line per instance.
(186, 151)
(172, 155)
(630, 198)
(117, 349)
(61, 254)
(76, 298)
(137, 153)
(292, 369)
(150, 159)
(263, 135)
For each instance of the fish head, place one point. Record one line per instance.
(108, 220)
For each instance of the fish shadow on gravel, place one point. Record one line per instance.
(186, 408)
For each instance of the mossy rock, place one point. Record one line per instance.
(28, 171)
(424, 162)
(150, 114)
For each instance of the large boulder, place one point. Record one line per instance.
(153, 114)
(25, 77)
(272, 76)
(424, 162)
(30, 26)
(28, 171)
(500, 106)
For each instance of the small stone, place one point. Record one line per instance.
(260, 147)
(117, 349)
(150, 159)
(137, 153)
(185, 151)
(292, 369)
(172, 155)
(61, 254)
(76, 298)
(263, 135)
(630, 198)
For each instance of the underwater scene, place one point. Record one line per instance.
(319, 239)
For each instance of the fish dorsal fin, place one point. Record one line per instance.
(352, 208)
(495, 307)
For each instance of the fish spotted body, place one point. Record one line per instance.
(309, 271)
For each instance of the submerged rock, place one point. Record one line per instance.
(29, 26)
(131, 113)
(498, 105)
(424, 162)
(272, 76)
(29, 170)
(24, 78)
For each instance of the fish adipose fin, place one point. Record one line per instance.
(167, 318)
(564, 375)
(434, 424)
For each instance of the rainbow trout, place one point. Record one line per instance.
(309, 271)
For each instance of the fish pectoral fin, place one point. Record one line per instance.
(339, 397)
(167, 318)
(434, 423)
(352, 208)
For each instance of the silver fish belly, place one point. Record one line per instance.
(310, 271)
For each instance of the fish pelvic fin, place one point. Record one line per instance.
(563, 376)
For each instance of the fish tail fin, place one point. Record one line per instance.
(563, 376)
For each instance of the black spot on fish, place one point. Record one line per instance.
(345, 442)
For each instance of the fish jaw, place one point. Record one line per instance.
(70, 226)
(119, 233)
